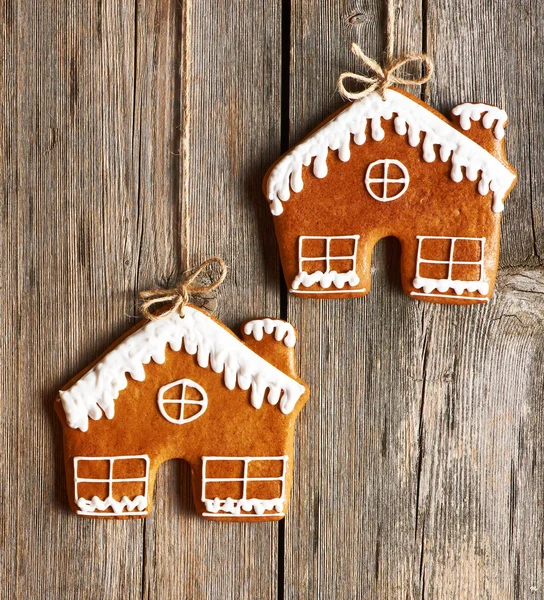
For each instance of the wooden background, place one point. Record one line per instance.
(420, 462)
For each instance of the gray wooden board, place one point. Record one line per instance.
(419, 466)
(420, 462)
(92, 179)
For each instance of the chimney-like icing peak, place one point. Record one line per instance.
(274, 340)
(482, 123)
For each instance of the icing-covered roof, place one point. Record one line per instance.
(215, 347)
(411, 118)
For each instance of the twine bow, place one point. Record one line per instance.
(383, 78)
(179, 296)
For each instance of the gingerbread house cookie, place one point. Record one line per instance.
(186, 387)
(394, 167)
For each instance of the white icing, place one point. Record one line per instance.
(95, 503)
(385, 180)
(234, 507)
(457, 285)
(474, 112)
(330, 276)
(469, 298)
(327, 292)
(325, 280)
(184, 383)
(118, 507)
(412, 119)
(443, 285)
(214, 347)
(281, 330)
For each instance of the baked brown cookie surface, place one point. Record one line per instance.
(394, 167)
(185, 387)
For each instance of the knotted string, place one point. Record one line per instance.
(383, 78)
(179, 295)
(386, 77)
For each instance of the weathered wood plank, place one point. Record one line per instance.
(481, 472)
(230, 88)
(93, 179)
(60, 222)
(480, 508)
(420, 452)
(10, 275)
(351, 531)
(485, 52)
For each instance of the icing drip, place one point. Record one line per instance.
(234, 507)
(325, 279)
(281, 330)
(118, 506)
(443, 285)
(474, 112)
(94, 394)
(412, 119)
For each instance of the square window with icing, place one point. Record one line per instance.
(327, 262)
(111, 485)
(258, 490)
(450, 265)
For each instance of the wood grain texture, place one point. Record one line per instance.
(419, 459)
(359, 443)
(230, 135)
(93, 97)
(483, 534)
(421, 469)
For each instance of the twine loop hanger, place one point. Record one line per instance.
(382, 78)
(180, 294)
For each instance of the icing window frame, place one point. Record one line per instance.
(329, 276)
(96, 507)
(182, 401)
(459, 286)
(231, 507)
(386, 162)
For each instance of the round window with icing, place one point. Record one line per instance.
(182, 401)
(386, 179)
